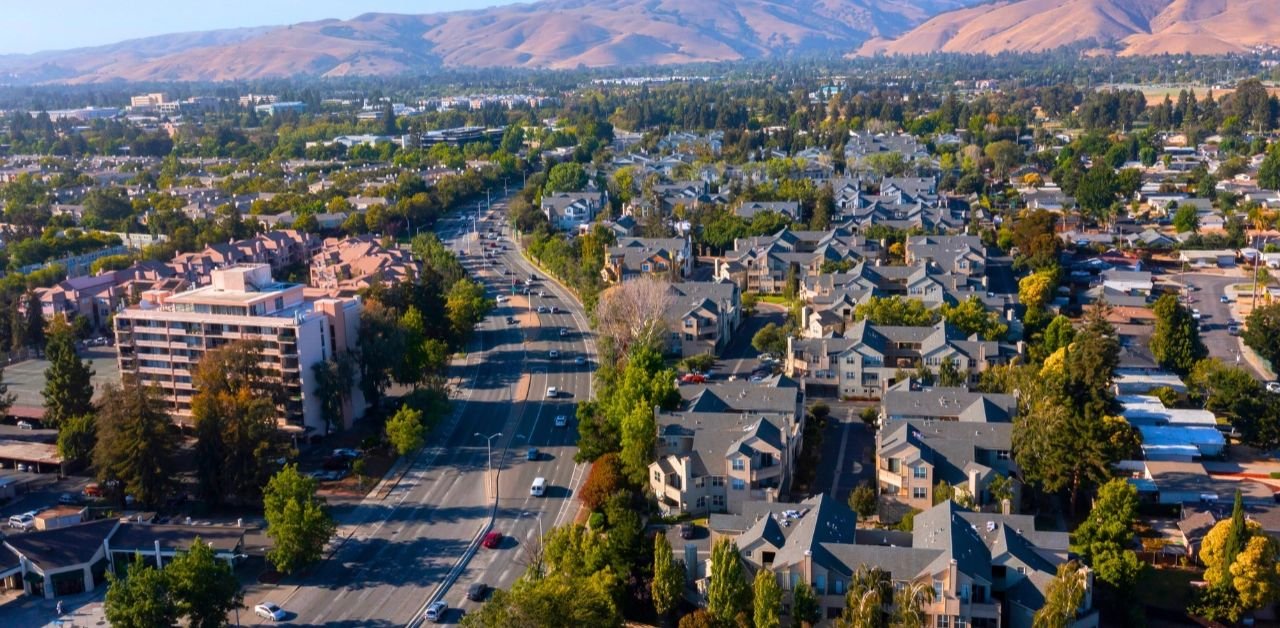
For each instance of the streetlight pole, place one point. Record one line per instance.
(489, 447)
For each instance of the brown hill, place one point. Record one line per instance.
(1131, 27)
(547, 34)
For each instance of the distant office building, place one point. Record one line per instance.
(148, 100)
(161, 340)
(251, 100)
(274, 108)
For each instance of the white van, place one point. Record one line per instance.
(539, 487)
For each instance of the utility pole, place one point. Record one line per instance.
(489, 484)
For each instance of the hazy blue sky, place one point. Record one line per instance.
(59, 24)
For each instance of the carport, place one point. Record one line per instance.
(38, 457)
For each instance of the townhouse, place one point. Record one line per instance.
(345, 266)
(667, 258)
(958, 254)
(702, 317)
(871, 357)
(915, 457)
(765, 264)
(572, 211)
(728, 443)
(985, 570)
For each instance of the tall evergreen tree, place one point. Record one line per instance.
(68, 390)
(1175, 343)
(34, 327)
(136, 442)
(766, 598)
(1237, 536)
(668, 577)
(728, 593)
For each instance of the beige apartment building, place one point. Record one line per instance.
(163, 338)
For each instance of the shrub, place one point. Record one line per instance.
(602, 481)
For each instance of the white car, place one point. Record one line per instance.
(553, 354)
(1195, 313)
(436, 611)
(24, 521)
(1272, 387)
(268, 610)
(552, 392)
(561, 420)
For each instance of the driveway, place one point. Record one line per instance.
(740, 358)
(848, 451)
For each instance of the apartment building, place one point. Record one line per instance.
(665, 258)
(702, 317)
(729, 443)
(870, 357)
(985, 570)
(958, 254)
(914, 457)
(765, 264)
(570, 211)
(161, 340)
(345, 266)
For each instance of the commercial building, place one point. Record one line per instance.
(161, 340)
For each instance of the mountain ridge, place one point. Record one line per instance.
(553, 34)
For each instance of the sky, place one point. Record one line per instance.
(61, 24)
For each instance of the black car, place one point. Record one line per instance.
(686, 530)
(476, 592)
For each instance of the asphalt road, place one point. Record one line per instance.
(1215, 316)
(409, 542)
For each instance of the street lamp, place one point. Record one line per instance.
(489, 446)
(538, 516)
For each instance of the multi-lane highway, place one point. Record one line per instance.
(405, 548)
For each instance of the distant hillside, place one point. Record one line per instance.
(547, 34)
(1131, 27)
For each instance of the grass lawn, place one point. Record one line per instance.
(775, 299)
(1167, 588)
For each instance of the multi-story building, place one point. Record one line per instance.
(702, 317)
(161, 341)
(869, 358)
(986, 570)
(570, 211)
(344, 266)
(667, 258)
(913, 458)
(730, 442)
(766, 264)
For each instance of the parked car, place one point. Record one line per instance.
(68, 498)
(93, 489)
(1273, 387)
(693, 378)
(686, 530)
(476, 591)
(335, 463)
(24, 521)
(268, 610)
(435, 612)
(347, 453)
(25, 425)
(492, 540)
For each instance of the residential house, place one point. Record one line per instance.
(571, 211)
(914, 457)
(668, 258)
(702, 317)
(766, 264)
(728, 443)
(959, 254)
(986, 570)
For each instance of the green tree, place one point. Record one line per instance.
(297, 522)
(949, 374)
(1063, 598)
(805, 609)
(766, 598)
(68, 391)
(466, 305)
(558, 599)
(203, 586)
(566, 177)
(1058, 334)
(1185, 219)
(1262, 332)
(406, 431)
(1254, 573)
(869, 592)
(142, 599)
(909, 603)
(727, 593)
(668, 577)
(382, 345)
(1105, 537)
(1269, 170)
(335, 379)
(77, 438)
(34, 326)
(770, 339)
(1097, 191)
(1175, 343)
(1004, 155)
(896, 311)
(971, 316)
(862, 500)
(136, 442)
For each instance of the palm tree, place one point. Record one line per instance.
(909, 603)
(864, 603)
(1063, 598)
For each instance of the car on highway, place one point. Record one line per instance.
(562, 420)
(1272, 387)
(511, 320)
(1224, 299)
(542, 309)
(269, 611)
(563, 332)
(492, 540)
(476, 591)
(1195, 314)
(1233, 328)
(579, 360)
(552, 392)
(25, 425)
(24, 521)
(532, 454)
(542, 294)
(553, 354)
(436, 612)
(555, 310)
(502, 298)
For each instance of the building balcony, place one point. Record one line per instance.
(889, 477)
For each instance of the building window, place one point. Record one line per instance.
(739, 464)
(657, 476)
(1002, 454)
(944, 621)
(738, 484)
(919, 492)
(937, 590)
(921, 472)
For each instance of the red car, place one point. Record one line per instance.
(492, 540)
(694, 378)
